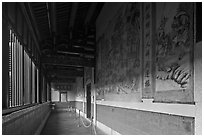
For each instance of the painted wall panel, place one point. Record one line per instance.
(119, 61)
(174, 47)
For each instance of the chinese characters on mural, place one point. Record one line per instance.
(63, 87)
(147, 51)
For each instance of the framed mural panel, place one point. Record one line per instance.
(119, 61)
(174, 52)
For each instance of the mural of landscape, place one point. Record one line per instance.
(119, 56)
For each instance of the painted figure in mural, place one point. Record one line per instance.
(173, 50)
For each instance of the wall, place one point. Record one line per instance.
(71, 97)
(28, 121)
(79, 89)
(126, 64)
(137, 122)
(54, 95)
(72, 93)
(55, 92)
(198, 86)
(145, 67)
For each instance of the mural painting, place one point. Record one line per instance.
(174, 46)
(119, 58)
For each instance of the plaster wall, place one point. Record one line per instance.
(146, 51)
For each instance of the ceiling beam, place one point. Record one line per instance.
(65, 74)
(63, 80)
(85, 46)
(73, 14)
(69, 53)
(65, 48)
(62, 68)
(90, 12)
(67, 61)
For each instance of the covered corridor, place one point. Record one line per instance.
(101, 68)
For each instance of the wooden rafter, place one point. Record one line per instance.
(78, 62)
(65, 74)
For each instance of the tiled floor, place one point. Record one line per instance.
(67, 123)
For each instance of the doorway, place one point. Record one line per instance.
(88, 101)
(63, 97)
